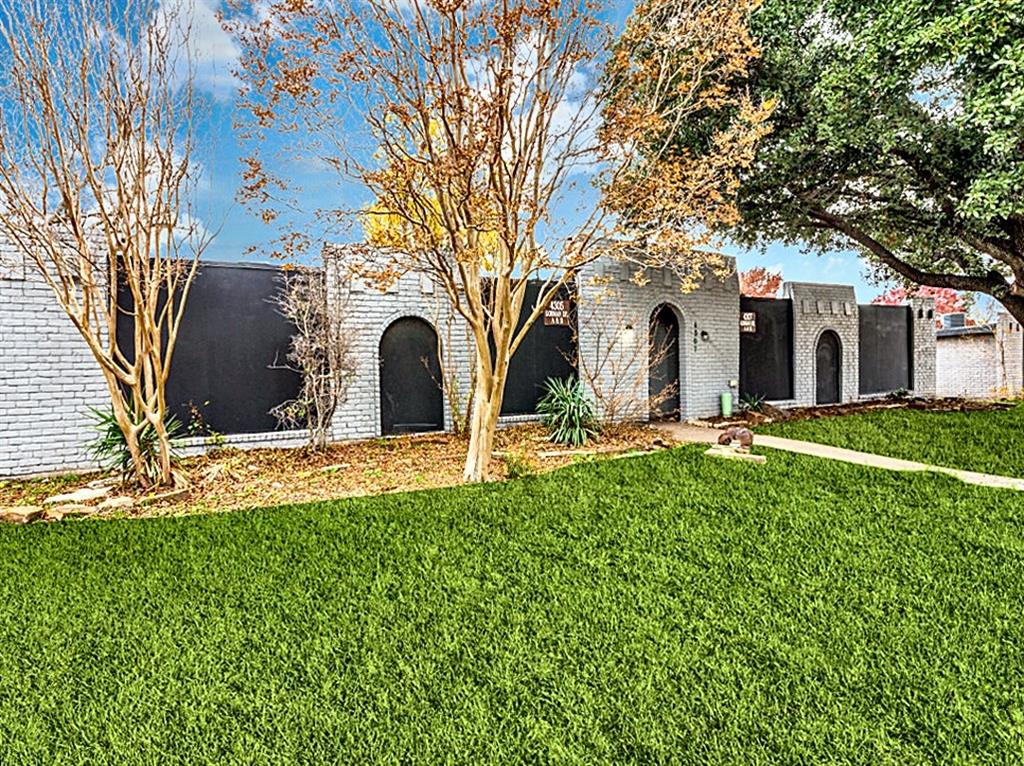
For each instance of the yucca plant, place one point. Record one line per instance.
(110, 448)
(567, 412)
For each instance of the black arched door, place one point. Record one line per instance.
(411, 398)
(663, 385)
(828, 362)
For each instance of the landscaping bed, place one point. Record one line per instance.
(662, 609)
(232, 479)
(767, 413)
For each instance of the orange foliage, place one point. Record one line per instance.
(758, 282)
(947, 300)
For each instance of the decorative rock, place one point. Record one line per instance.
(83, 495)
(116, 503)
(720, 450)
(20, 514)
(70, 511)
(743, 436)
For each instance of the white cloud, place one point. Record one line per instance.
(212, 52)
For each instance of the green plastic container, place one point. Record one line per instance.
(727, 404)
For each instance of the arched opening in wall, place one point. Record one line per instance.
(663, 364)
(828, 368)
(411, 394)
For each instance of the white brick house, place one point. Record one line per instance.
(979, 361)
(48, 380)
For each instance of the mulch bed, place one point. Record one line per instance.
(769, 414)
(233, 479)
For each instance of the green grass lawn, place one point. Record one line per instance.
(990, 442)
(666, 609)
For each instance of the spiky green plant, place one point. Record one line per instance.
(567, 412)
(110, 449)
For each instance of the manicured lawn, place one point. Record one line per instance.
(990, 442)
(667, 609)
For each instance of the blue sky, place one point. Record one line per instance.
(240, 230)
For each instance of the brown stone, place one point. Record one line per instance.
(20, 514)
(116, 503)
(70, 511)
(743, 437)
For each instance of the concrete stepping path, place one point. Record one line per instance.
(686, 432)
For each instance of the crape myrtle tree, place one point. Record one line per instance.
(947, 301)
(96, 175)
(471, 127)
(899, 129)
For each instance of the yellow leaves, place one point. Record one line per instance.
(412, 217)
(680, 67)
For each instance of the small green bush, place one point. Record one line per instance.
(518, 465)
(110, 448)
(567, 412)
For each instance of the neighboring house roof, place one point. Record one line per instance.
(956, 332)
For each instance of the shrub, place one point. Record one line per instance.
(518, 465)
(110, 448)
(752, 403)
(567, 412)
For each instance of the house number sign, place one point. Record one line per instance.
(557, 314)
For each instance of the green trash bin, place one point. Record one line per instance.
(727, 404)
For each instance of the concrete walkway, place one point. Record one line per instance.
(686, 432)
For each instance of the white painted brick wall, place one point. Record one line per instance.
(48, 378)
(981, 366)
(924, 343)
(608, 298)
(368, 313)
(1009, 356)
(817, 308)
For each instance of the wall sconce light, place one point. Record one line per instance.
(705, 336)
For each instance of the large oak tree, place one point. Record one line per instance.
(899, 129)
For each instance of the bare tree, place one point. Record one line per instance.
(96, 177)
(477, 121)
(320, 352)
(616, 366)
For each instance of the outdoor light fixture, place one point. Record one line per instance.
(705, 336)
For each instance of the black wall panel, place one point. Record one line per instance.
(230, 336)
(766, 356)
(547, 351)
(885, 348)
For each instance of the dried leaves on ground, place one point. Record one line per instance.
(233, 479)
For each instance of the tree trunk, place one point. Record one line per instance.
(483, 424)
(1015, 306)
(164, 446)
(122, 414)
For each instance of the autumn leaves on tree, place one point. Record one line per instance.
(97, 170)
(502, 143)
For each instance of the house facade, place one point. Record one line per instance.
(643, 349)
